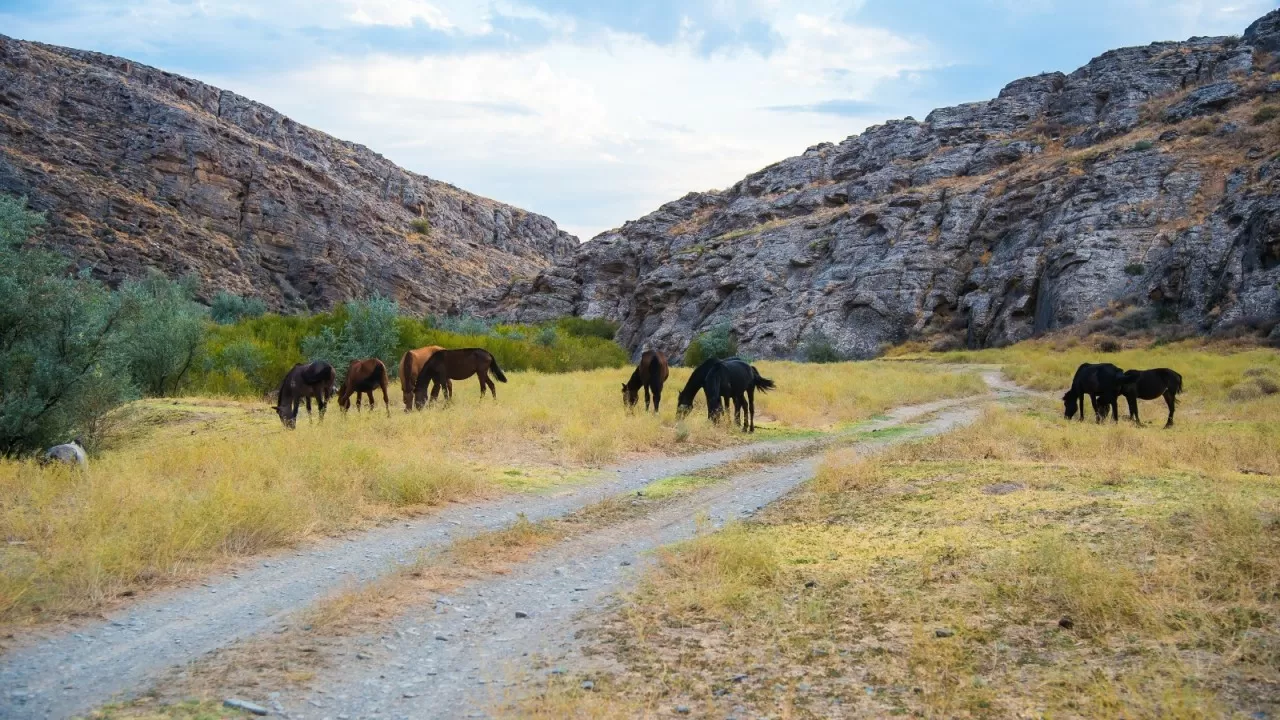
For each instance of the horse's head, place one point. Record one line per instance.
(287, 415)
(630, 397)
(684, 402)
(1070, 404)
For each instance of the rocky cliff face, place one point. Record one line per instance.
(140, 168)
(1147, 178)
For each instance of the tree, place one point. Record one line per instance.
(163, 331)
(717, 343)
(228, 309)
(60, 360)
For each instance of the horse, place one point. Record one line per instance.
(410, 365)
(731, 378)
(1099, 382)
(446, 365)
(651, 374)
(1138, 385)
(362, 377)
(71, 454)
(304, 382)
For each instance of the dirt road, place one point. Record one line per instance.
(483, 644)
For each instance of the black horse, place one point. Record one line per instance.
(721, 380)
(1101, 383)
(315, 380)
(1138, 385)
(650, 374)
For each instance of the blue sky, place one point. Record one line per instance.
(596, 112)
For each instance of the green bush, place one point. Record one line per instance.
(1142, 145)
(163, 330)
(818, 348)
(460, 324)
(1266, 113)
(227, 308)
(370, 330)
(1135, 269)
(718, 342)
(583, 327)
(61, 367)
(422, 226)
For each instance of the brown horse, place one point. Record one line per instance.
(650, 374)
(362, 377)
(304, 382)
(410, 365)
(446, 365)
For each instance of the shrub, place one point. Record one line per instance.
(1266, 113)
(718, 342)
(546, 337)
(370, 331)
(1135, 269)
(1201, 128)
(601, 328)
(60, 361)
(163, 329)
(1109, 346)
(422, 226)
(1142, 145)
(227, 308)
(818, 348)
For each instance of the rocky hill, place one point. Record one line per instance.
(140, 168)
(1146, 179)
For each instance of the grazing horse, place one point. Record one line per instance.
(650, 374)
(304, 382)
(731, 378)
(446, 365)
(362, 377)
(1099, 382)
(1138, 385)
(410, 365)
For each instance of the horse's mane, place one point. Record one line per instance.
(699, 376)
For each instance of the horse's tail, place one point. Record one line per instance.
(497, 371)
(406, 367)
(655, 371)
(1176, 383)
(763, 384)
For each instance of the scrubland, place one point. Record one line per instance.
(190, 484)
(1024, 566)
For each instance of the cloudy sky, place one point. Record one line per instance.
(595, 112)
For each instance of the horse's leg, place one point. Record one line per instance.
(385, 402)
(751, 406)
(1171, 400)
(657, 398)
(646, 397)
(308, 408)
(359, 399)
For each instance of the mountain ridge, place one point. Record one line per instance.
(1144, 179)
(140, 168)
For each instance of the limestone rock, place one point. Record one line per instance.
(985, 224)
(140, 168)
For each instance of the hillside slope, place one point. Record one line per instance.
(140, 168)
(1145, 178)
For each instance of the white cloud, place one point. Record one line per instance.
(595, 133)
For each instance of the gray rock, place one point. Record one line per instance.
(171, 173)
(246, 706)
(520, 614)
(944, 632)
(955, 229)
(67, 454)
(682, 709)
(1003, 488)
(588, 685)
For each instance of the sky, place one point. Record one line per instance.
(596, 112)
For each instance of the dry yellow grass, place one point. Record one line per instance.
(1021, 567)
(210, 481)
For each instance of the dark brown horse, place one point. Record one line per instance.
(446, 365)
(650, 374)
(304, 382)
(1137, 385)
(410, 365)
(723, 380)
(363, 376)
